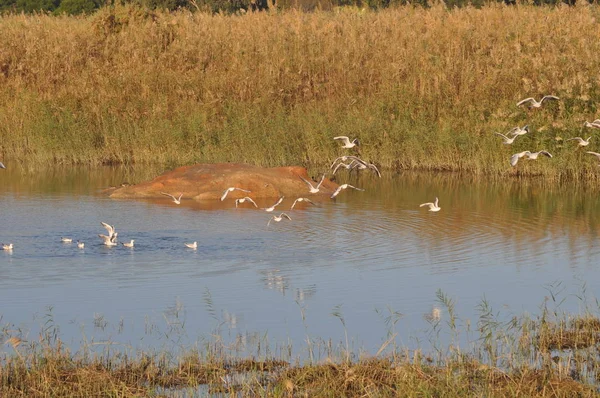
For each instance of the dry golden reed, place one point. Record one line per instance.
(422, 88)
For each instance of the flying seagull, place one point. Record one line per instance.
(312, 188)
(530, 155)
(345, 158)
(594, 124)
(432, 206)
(582, 142)
(2, 166)
(346, 141)
(596, 154)
(342, 187)
(506, 140)
(231, 189)
(364, 166)
(302, 200)
(515, 131)
(177, 201)
(279, 218)
(536, 104)
(269, 209)
(242, 200)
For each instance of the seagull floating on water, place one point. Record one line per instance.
(177, 201)
(191, 245)
(269, 209)
(231, 190)
(107, 240)
(342, 187)
(432, 206)
(302, 200)
(536, 104)
(582, 142)
(66, 240)
(312, 188)
(7, 247)
(530, 155)
(129, 244)
(80, 244)
(346, 141)
(279, 218)
(245, 198)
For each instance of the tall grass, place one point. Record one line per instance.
(422, 88)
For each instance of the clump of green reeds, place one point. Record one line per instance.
(423, 88)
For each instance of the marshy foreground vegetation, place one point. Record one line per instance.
(423, 88)
(551, 355)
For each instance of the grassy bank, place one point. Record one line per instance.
(551, 355)
(422, 88)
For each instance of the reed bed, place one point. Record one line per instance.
(424, 89)
(551, 355)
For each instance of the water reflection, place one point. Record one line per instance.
(365, 250)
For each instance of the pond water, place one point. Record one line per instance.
(362, 256)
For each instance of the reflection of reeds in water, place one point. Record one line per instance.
(128, 86)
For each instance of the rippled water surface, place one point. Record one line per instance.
(361, 256)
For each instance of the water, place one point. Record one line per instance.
(363, 256)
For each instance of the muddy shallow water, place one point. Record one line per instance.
(361, 256)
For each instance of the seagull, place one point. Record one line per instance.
(515, 158)
(66, 240)
(342, 187)
(519, 130)
(110, 229)
(506, 140)
(177, 201)
(536, 104)
(582, 142)
(2, 166)
(302, 200)
(269, 209)
(534, 155)
(347, 157)
(8, 247)
(242, 200)
(364, 166)
(191, 245)
(594, 124)
(108, 241)
(80, 244)
(346, 141)
(312, 188)
(231, 190)
(342, 164)
(432, 206)
(129, 244)
(279, 218)
(595, 154)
